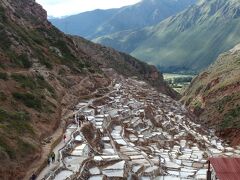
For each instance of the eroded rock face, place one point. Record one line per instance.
(214, 95)
(26, 13)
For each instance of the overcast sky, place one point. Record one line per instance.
(58, 8)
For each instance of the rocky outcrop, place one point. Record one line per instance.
(214, 96)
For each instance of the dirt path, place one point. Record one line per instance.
(46, 149)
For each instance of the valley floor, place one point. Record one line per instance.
(137, 132)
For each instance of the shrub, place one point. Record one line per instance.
(44, 84)
(25, 148)
(231, 119)
(16, 121)
(5, 147)
(2, 14)
(25, 81)
(3, 76)
(3, 97)
(46, 63)
(34, 83)
(23, 61)
(28, 100)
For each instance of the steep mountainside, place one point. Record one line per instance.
(103, 22)
(214, 95)
(43, 74)
(189, 41)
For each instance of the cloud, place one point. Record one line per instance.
(58, 8)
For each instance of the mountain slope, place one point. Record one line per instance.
(189, 41)
(43, 75)
(102, 22)
(84, 24)
(214, 95)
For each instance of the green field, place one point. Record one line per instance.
(178, 81)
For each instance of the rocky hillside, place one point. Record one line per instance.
(189, 41)
(214, 95)
(43, 74)
(98, 23)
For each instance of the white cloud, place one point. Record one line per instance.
(58, 8)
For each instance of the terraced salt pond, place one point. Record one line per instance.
(138, 132)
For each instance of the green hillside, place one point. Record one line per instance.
(214, 95)
(98, 23)
(189, 41)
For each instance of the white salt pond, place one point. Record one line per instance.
(63, 175)
(94, 171)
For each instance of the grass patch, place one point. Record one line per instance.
(19, 60)
(3, 17)
(61, 45)
(42, 84)
(29, 100)
(34, 83)
(25, 81)
(5, 41)
(5, 147)
(178, 81)
(3, 76)
(2, 65)
(25, 148)
(231, 119)
(23, 61)
(3, 96)
(221, 104)
(16, 122)
(46, 63)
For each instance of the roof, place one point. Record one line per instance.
(226, 168)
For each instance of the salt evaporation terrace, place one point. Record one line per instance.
(138, 133)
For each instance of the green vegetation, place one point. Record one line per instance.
(98, 23)
(3, 76)
(231, 119)
(5, 41)
(179, 82)
(197, 104)
(6, 148)
(222, 103)
(176, 45)
(2, 14)
(19, 60)
(2, 65)
(37, 37)
(3, 96)
(29, 100)
(25, 148)
(23, 61)
(44, 61)
(62, 46)
(34, 83)
(25, 81)
(68, 59)
(42, 84)
(15, 122)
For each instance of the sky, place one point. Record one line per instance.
(59, 8)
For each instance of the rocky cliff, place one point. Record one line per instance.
(214, 95)
(43, 74)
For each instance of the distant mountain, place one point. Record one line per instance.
(103, 22)
(188, 41)
(214, 95)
